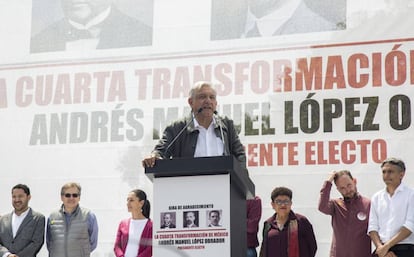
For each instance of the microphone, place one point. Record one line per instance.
(216, 118)
(179, 133)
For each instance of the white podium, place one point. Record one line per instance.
(189, 192)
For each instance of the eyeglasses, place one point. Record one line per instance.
(71, 195)
(284, 202)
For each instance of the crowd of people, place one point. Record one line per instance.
(386, 220)
(72, 230)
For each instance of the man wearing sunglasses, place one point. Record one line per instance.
(72, 231)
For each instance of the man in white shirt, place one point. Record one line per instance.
(22, 231)
(202, 133)
(391, 218)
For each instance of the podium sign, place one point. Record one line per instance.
(199, 207)
(195, 197)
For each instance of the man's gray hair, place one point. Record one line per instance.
(198, 86)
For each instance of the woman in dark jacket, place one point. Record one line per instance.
(285, 233)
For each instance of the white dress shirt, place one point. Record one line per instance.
(208, 143)
(17, 221)
(389, 213)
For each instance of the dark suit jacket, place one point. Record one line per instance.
(187, 141)
(29, 238)
(118, 31)
(172, 225)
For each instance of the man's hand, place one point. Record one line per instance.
(383, 251)
(149, 161)
(391, 254)
(331, 176)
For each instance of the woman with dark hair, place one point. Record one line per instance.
(285, 233)
(134, 237)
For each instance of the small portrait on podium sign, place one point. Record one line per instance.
(167, 220)
(213, 218)
(190, 219)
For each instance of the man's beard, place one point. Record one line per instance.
(350, 198)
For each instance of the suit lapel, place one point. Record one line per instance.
(26, 220)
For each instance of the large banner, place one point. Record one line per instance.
(327, 86)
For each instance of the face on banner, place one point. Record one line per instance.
(83, 11)
(262, 7)
(214, 218)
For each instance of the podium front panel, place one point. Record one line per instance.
(195, 197)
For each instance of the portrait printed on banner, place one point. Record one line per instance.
(190, 219)
(168, 220)
(213, 218)
(72, 25)
(232, 19)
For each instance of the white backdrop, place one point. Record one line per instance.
(91, 115)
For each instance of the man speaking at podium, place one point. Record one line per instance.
(202, 133)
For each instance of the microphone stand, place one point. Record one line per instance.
(179, 133)
(221, 132)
